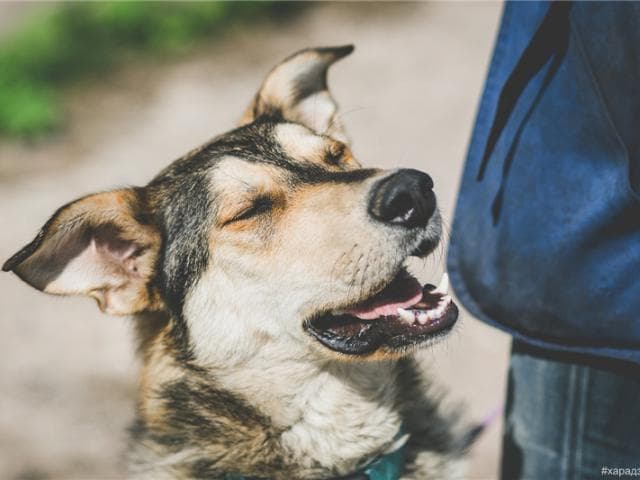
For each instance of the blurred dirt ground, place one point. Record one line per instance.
(408, 97)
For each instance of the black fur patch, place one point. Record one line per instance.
(215, 423)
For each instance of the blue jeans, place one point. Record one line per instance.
(570, 416)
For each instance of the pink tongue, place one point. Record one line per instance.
(403, 292)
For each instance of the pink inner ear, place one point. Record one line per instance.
(107, 243)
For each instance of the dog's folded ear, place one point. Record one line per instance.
(104, 245)
(296, 90)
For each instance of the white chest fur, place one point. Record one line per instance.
(334, 415)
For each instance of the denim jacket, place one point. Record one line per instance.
(546, 237)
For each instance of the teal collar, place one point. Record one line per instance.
(387, 467)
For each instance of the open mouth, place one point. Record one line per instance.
(401, 315)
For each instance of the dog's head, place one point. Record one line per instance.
(271, 234)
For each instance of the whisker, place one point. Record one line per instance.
(341, 115)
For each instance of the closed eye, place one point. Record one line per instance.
(334, 154)
(259, 206)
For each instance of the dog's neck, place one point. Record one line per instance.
(331, 413)
(319, 418)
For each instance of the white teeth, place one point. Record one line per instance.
(442, 306)
(406, 316)
(422, 317)
(443, 287)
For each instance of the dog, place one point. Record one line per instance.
(276, 320)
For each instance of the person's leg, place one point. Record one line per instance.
(569, 416)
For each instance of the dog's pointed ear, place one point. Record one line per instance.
(104, 245)
(296, 90)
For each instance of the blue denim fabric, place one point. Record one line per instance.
(546, 236)
(568, 416)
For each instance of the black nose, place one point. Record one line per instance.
(405, 198)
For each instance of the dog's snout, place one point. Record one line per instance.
(405, 198)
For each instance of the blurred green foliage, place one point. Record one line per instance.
(70, 41)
